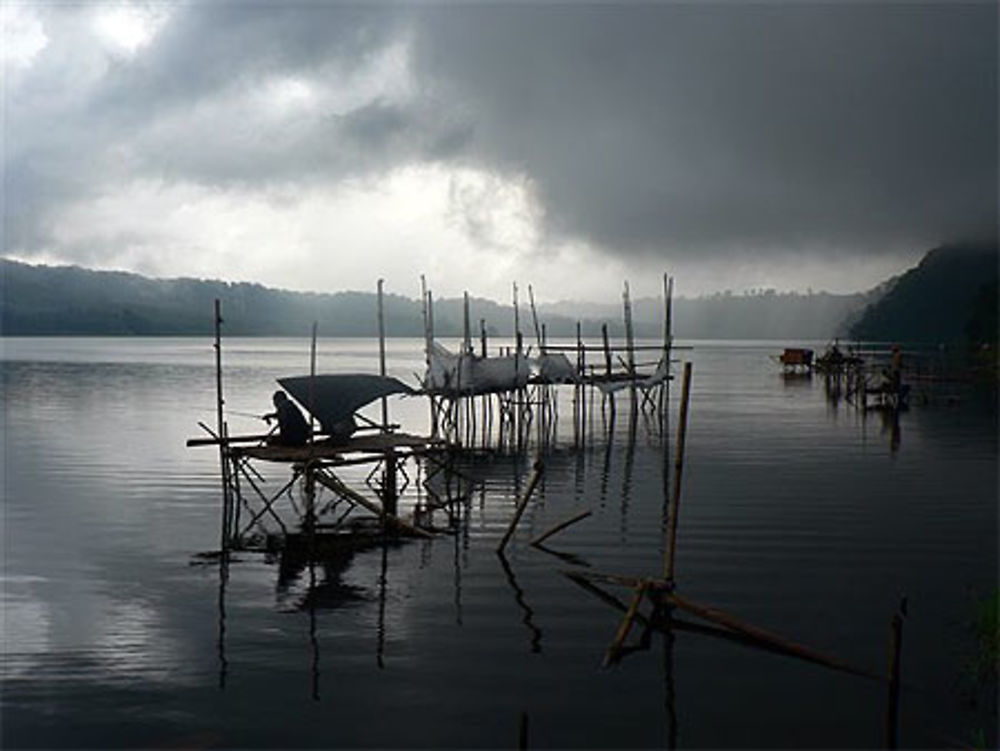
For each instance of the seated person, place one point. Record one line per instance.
(293, 430)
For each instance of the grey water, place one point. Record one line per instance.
(800, 515)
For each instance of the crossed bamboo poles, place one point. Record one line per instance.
(661, 592)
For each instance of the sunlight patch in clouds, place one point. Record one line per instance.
(22, 33)
(128, 27)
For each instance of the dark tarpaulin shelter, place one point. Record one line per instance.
(334, 398)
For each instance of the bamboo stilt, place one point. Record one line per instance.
(667, 623)
(732, 622)
(312, 381)
(337, 486)
(534, 318)
(223, 448)
(522, 503)
(560, 527)
(614, 651)
(630, 344)
(675, 495)
(381, 354)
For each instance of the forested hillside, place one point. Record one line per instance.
(951, 296)
(43, 300)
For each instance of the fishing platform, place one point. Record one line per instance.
(348, 483)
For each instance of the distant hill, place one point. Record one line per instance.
(68, 300)
(762, 314)
(950, 296)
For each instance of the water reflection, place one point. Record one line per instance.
(529, 615)
(332, 555)
(789, 517)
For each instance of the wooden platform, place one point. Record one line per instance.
(371, 443)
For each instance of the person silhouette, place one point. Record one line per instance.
(293, 430)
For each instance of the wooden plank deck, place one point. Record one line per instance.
(370, 443)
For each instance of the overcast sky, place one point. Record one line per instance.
(321, 146)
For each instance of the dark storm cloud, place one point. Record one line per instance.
(710, 129)
(720, 126)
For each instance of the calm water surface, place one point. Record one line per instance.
(797, 515)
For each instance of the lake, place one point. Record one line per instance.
(801, 516)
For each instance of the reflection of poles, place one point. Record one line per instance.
(529, 614)
(313, 641)
(627, 470)
(892, 707)
(522, 731)
(606, 468)
(221, 641)
(457, 561)
(309, 481)
(670, 699)
(383, 585)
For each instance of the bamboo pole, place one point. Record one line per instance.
(312, 382)
(381, 354)
(668, 342)
(216, 440)
(560, 527)
(630, 342)
(466, 325)
(517, 316)
(675, 495)
(522, 503)
(614, 348)
(617, 580)
(427, 330)
(310, 468)
(337, 486)
(578, 387)
(607, 350)
(629, 335)
(614, 650)
(534, 317)
(429, 336)
(745, 635)
(732, 622)
(223, 448)
(390, 496)
(230, 497)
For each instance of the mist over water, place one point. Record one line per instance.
(802, 517)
